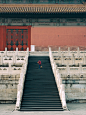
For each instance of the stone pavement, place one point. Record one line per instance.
(73, 109)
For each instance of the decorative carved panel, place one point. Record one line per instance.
(17, 38)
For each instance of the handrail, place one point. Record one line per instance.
(21, 83)
(58, 80)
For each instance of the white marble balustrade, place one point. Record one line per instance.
(58, 80)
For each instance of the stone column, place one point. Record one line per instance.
(32, 48)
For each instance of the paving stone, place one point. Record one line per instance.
(73, 109)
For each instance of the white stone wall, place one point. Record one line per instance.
(8, 88)
(11, 66)
(75, 92)
(72, 67)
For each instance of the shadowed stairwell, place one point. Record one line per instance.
(40, 90)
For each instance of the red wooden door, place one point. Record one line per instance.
(18, 36)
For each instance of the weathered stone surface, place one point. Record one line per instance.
(75, 91)
(8, 88)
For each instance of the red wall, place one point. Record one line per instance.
(49, 36)
(58, 36)
(2, 38)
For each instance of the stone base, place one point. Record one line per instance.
(7, 101)
(76, 101)
(63, 48)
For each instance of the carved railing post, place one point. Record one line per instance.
(5, 51)
(69, 51)
(73, 59)
(59, 52)
(62, 59)
(78, 52)
(16, 51)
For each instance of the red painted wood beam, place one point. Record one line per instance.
(2, 38)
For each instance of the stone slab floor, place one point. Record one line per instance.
(73, 109)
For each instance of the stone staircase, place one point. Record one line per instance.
(40, 91)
